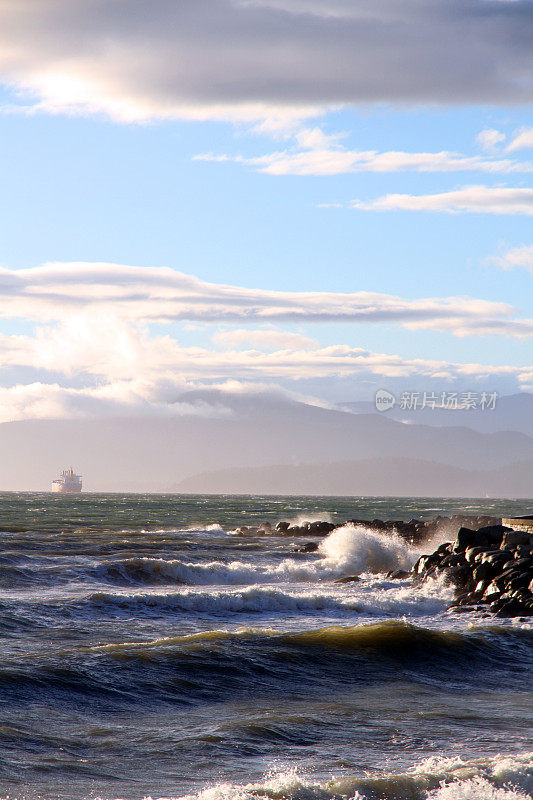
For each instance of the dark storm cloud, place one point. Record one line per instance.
(200, 58)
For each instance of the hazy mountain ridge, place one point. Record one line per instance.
(156, 454)
(396, 477)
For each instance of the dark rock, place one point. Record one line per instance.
(308, 547)
(320, 528)
(491, 566)
(398, 574)
(519, 582)
(492, 592)
(472, 552)
(348, 579)
(523, 551)
(297, 530)
(453, 560)
(458, 575)
(496, 558)
(493, 533)
(512, 539)
(248, 530)
(512, 607)
(467, 538)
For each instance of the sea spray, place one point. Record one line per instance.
(347, 550)
(356, 549)
(470, 781)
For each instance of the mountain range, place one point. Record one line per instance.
(268, 443)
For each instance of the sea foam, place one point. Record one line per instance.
(349, 550)
(499, 778)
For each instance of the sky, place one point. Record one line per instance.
(321, 198)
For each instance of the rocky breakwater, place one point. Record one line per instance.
(416, 531)
(491, 569)
(319, 528)
(413, 530)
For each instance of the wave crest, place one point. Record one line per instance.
(499, 778)
(348, 550)
(357, 549)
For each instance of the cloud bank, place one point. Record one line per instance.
(163, 295)
(124, 371)
(94, 351)
(257, 59)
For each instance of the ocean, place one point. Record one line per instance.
(147, 650)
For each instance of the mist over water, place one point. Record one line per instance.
(148, 650)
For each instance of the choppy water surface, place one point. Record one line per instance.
(146, 650)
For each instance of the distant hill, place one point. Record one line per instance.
(390, 476)
(156, 454)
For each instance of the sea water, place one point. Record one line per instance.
(149, 650)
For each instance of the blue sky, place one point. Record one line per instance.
(93, 173)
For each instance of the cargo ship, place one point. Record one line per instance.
(67, 483)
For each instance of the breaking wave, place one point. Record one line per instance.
(218, 603)
(358, 549)
(371, 598)
(350, 550)
(498, 778)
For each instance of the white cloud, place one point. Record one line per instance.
(228, 59)
(158, 370)
(523, 139)
(319, 160)
(316, 139)
(160, 294)
(490, 138)
(132, 398)
(469, 199)
(122, 368)
(516, 257)
(121, 354)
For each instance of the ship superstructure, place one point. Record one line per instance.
(68, 483)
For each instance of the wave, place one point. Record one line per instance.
(253, 599)
(357, 549)
(220, 665)
(350, 550)
(371, 598)
(498, 778)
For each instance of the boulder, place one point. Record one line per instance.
(308, 547)
(398, 574)
(493, 533)
(512, 539)
(467, 538)
(320, 528)
(472, 552)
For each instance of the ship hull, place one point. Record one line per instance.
(60, 488)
